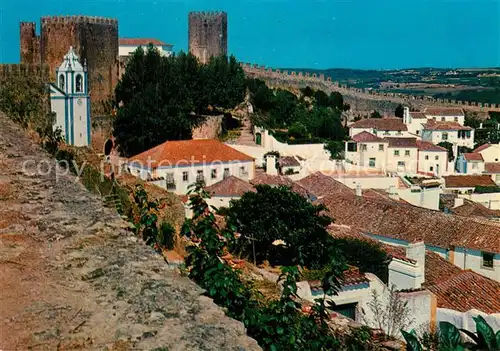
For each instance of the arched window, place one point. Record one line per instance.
(79, 83)
(61, 82)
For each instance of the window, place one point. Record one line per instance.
(364, 147)
(444, 136)
(418, 131)
(352, 147)
(474, 165)
(372, 162)
(170, 181)
(78, 84)
(455, 119)
(396, 152)
(61, 82)
(401, 163)
(407, 152)
(185, 176)
(199, 176)
(226, 173)
(243, 171)
(487, 260)
(386, 132)
(431, 169)
(426, 157)
(381, 147)
(443, 119)
(213, 174)
(436, 158)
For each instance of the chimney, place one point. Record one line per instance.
(359, 191)
(405, 273)
(406, 115)
(271, 165)
(416, 251)
(459, 201)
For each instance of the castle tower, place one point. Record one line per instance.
(30, 43)
(70, 100)
(207, 34)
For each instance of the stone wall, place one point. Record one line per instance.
(95, 40)
(207, 34)
(12, 70)
(210, 129)
(361, 100)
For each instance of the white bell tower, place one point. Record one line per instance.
(70, 101)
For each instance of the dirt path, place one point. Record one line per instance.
(73, 277)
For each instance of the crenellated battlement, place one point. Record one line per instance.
(301, 79)
(23, 69)
(78, 19)
(207, 14)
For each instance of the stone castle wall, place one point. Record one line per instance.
(207, 34)
(95, 40)
(12, 70)
(361, 100)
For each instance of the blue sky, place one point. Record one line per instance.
(377, 34)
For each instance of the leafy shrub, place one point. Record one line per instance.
(167, 236)
(479, 189)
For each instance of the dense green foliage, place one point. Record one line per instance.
(278, 213)
(489, 133)
(314, 117)
(375, 114)
(486, 189)
(276, 325)
(162, 98)
(450, 339)
(449, 147)
(400, 111)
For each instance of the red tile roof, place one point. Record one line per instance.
(439, 125)
(351, 276)
(279, 180)
(418, 115)
(366, 138)
(481, 148)
(189, 152)
(460, 290)
(319, 185)
(409, 223)
(402, 142)
(492, 167)
(454, 288)
(140, 41)
(473, 156)
(427, 146)
(230, 186)
(393, 124)
(470, 208)
(288, 161)
(468, 181)
(444, 111)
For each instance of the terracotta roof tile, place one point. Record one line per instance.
(320, 185)
(439, 125)
(288, 161)
(481, 148)
(460, 290)
(189, 152)
(427, 146)
(468, 181)
(231, 186)
(140, 41)
(393, 124)
(366, 138)
(409, 223)
(473, 156)
(280, 180)
(418, 115)
(402, 142)
(492, 167)
(471, 208)
(443, 111)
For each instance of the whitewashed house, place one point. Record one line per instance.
(230, 188)
(70, 100)
(367, 150)
(175, 165)
(453, 132)
(380, 127)
(470, 163)
(432, 159)
(414, 121)
(127, 46)
(455, 115)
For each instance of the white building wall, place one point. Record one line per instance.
(426, 198)
(381, 182)
(367, 151)
(181, 186)
(458, 118)
(433, 162)
(472, 259)
(410, 161)
(491, 200)
(80, 122)
(380, 133)
(491, 154)
(436, 137)
(127, 50)
(57, 106)
(464, 320)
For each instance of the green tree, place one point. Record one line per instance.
(336, 149)
(285, 104)
(449, 147)
(278, 213)
(375, 114)
(322, 100)
(337, 100)
(400, 111)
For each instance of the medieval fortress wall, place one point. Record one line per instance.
(361, 100)
(95, 40)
